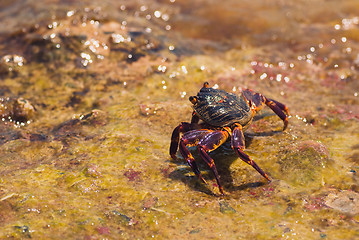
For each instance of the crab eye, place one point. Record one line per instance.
(193, 99)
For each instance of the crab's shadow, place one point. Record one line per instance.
(223, 157)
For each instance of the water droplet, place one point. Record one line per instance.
(157, 14)
(70, 13)
(183, 94)
(184, 69)
(162, 68)
(165, 17)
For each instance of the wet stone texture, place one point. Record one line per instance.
(304, 162)
(90, 92)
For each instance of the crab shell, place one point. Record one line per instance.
(220, 108)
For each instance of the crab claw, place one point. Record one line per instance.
(193, 99)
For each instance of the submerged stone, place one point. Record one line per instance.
(303, 162)
(149, 202)
(11, 63)
(225, 207)
(24, 230)
(16, 110)
(121, 218)
(72, 126)
(346, 202)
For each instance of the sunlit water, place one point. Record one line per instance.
(90, 92)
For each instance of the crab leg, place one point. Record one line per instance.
(238, 145)
(182, 128)
(283, 107)
(190, 160)
(195, 118)
(278, 108)
(209, 143)
(191, 138)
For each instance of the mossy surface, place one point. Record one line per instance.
(109, 81)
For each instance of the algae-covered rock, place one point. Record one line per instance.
(23, 230)
(92, 171)
(73, 126)
(303, 162)
(120, 218)
(132, 175)
(225, 207)
(16, 109)
(11, 63)
(149, 201)
(346, 202)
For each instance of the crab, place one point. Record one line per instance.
(218, 116)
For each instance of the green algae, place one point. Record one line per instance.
(304, 164)
(94, 161)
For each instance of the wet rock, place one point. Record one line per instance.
(134, 44)
(149, 109)
(40, 48)
(354, 157)
(59, 42)
(16, 110)
(92, 171)
(103, 230)
(314, 203)
(318, 149)
(149, 202)
(77, 97)
(302, 163)
(225, 207)
(132, 175)
(346, 202)
(194, 231)
(310, 118)
(323, 235)
(23, 230)
(84, 37)
(38, 137)
(4, 90)
(9, 134)
(121, 218)
(93, 118)
(11, 63)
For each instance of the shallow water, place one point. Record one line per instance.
(108, 81)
